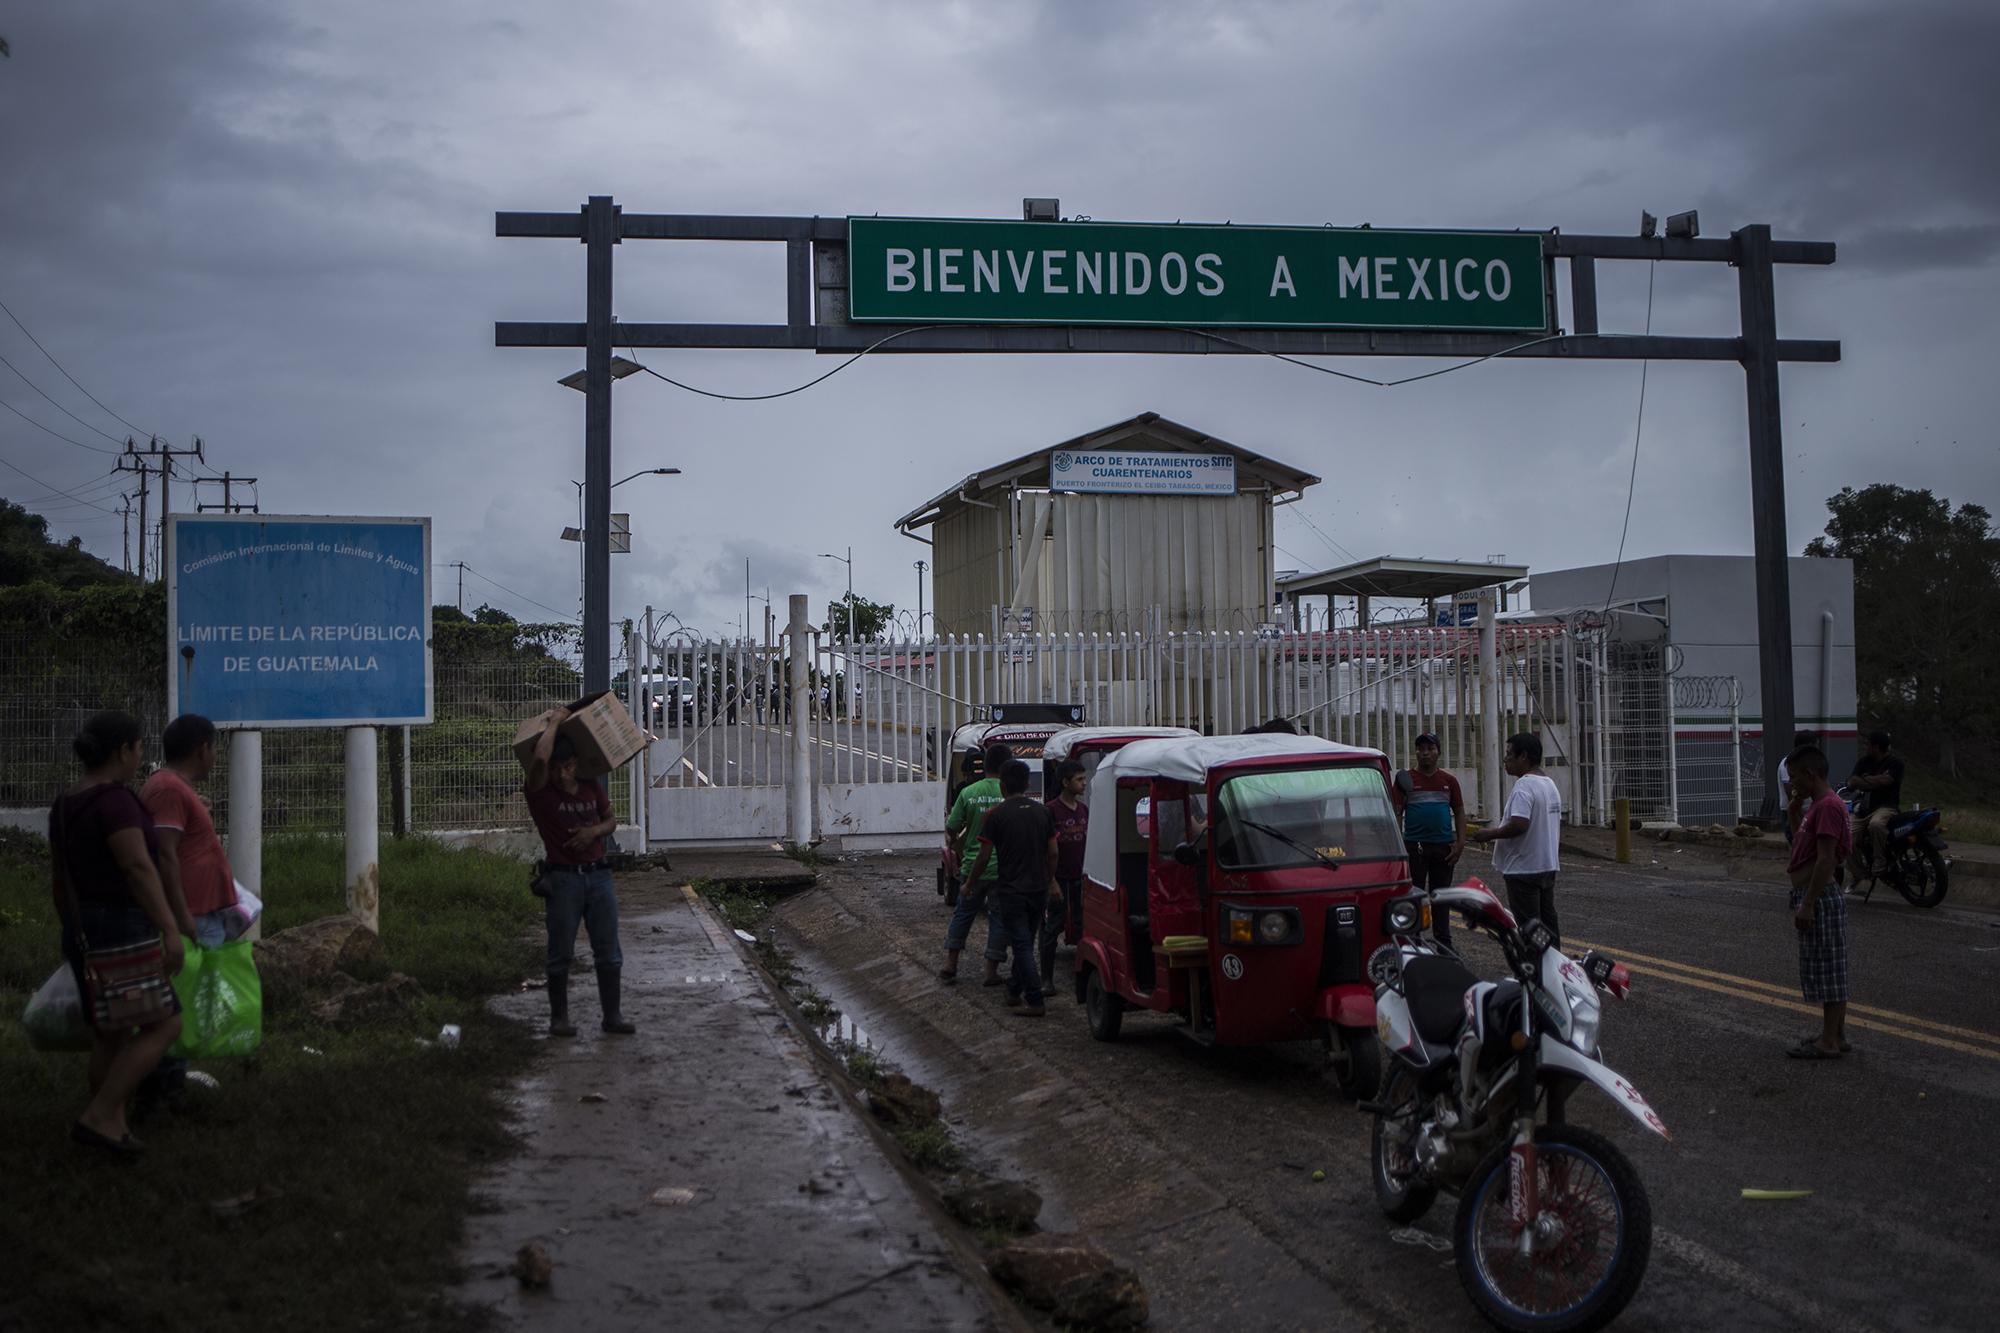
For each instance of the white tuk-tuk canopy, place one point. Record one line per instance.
(1063, 742)
(1183, 760)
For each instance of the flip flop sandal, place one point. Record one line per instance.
(1845, 1048)
(1807, 1050)
(85, 1137)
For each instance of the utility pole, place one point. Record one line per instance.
(227, 506)
(155, 457)
(920, 566)
(460, 565)
(126, 514)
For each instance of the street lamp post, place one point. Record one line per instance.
(920, 566)
(600, 368)
(582, 536)
(848, 560)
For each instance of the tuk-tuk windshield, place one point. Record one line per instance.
(1295, 816)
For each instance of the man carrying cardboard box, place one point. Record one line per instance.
(574, 817)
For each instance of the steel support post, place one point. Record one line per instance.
(246, 809)
(600, 233)
(799, 778)
(1758, 302)
(364, 875)
(1490, 803)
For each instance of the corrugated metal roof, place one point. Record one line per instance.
(1024, 470)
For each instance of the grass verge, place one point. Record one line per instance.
(366, 1142)
(1970, 814)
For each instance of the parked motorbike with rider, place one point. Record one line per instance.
(1904, 847)
(1553, 1228)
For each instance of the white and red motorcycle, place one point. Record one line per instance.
(1553, 1228)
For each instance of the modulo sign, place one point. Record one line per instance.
(956, 271)
(299, 621)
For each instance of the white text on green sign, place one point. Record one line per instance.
(948, 271)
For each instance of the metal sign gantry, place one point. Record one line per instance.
(816, 320)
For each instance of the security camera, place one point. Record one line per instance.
(1685, 226)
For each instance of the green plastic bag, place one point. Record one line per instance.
(222, 1003)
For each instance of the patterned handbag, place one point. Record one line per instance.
(125, 985)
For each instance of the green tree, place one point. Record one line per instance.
(871, 619)
(28, 556)
(1926, 614)
(491, 615)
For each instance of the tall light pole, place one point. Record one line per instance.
(920, 566)
(600, 233)
(580, 535)
(848, 560)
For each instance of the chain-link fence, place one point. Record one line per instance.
(461, 770)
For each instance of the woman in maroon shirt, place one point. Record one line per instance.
(100, 833)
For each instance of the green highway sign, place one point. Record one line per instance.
(966, 271)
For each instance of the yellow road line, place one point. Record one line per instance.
(1735, 981)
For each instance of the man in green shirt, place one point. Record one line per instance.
(962, 827)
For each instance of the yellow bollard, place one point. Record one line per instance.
(1621, 821)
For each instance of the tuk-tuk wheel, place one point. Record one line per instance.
(1357, 1060)
(1105, 1011)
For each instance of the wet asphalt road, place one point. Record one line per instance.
(1193, 1163)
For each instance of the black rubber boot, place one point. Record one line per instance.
(607, 997)
(559, 1024)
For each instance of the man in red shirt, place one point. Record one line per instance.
(574, 818)
(1819, 908)
(193, 867)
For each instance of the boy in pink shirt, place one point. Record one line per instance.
(1819, 908)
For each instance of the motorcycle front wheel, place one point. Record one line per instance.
(1588, 1264)
(1393, 1150)
(1924, 876)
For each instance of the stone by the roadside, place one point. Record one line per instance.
(899, 1103)
(1004, 1205)
(1072, 1279)
(352, 1002)
(532, 1265)
(298, 960)
(1717, 831)
(1749, 831)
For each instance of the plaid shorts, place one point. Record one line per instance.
(1823, 947)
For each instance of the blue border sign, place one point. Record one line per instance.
(299, 621)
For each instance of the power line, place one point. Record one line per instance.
(511, 593)
(59, 407)
(66, 375)
(782, 393)
(55, 489)
(95, 448)
(1638, 426)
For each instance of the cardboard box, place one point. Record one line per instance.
(604, 734)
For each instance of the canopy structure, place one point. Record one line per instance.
(1396, 578)
(1060, 744)
(1184, 759)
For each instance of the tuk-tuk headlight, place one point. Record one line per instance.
(1261, 926)
(1241, 928)
(1273, 927)
(1405, 916)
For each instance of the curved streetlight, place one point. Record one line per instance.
(848, 560)
(576, 534)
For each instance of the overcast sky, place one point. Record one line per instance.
(270, 224)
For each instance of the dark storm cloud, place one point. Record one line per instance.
(271, 223)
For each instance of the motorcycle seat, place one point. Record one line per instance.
(1436, 987)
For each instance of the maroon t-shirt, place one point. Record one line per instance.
(1070, 823)
(88, 819)
(559, 814)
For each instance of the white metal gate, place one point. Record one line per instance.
(877, 715)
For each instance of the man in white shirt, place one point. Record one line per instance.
(1527, 836)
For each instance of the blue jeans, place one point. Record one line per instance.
(586, 897)
(971, 898)
(1020, 921)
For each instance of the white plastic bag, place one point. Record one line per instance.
(245, 914)
(54, 1017)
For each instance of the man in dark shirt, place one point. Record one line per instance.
(1020, 833)
(574, 818)
(1072, 818)
(1878, 775)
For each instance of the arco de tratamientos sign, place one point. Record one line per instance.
(964, 271)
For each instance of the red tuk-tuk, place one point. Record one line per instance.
(1088, 746)
(1239, 882)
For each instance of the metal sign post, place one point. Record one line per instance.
(967, 285)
